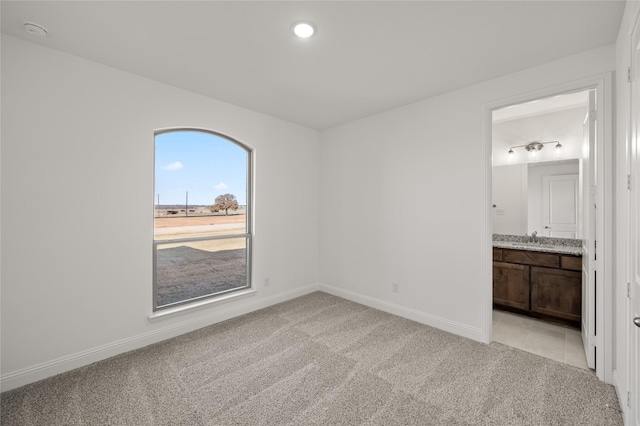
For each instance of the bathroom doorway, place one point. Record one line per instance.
(547, 182)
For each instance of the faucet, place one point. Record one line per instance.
(534, 237)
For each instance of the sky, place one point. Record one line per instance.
(202, 163)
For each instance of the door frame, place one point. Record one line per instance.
(630, 410)
(604, 293)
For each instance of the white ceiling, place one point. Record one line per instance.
(542, 106)
(367, 56)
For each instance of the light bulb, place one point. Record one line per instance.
(304, 29)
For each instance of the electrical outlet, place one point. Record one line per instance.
(395, 287)
(266, 282)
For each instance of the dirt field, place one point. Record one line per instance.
(192, 269)
(178, 221)
(189, 227)
(185, 273)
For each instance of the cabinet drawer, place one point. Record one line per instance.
(531, 258)
(571, 262)
(497, 254)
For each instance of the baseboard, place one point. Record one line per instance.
(43, 370)
(409, 313)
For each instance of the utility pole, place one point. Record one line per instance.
(158, 207)
(186, 205)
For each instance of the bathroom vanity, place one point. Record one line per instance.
(541, 278)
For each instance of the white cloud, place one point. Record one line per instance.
(176, 165)
(221, 185)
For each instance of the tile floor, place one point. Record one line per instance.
(554, 341)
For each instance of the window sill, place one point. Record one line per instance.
(182, 309)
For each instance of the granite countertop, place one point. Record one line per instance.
(543, 244)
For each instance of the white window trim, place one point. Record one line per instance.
(189, 307)
(190, 304)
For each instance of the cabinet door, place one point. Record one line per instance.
(556, 292)
(511, 285)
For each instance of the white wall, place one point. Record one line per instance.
(77, 144)
(510, 198)
(429, 157)
(535, 190)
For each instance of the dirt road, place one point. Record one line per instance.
(179, 221)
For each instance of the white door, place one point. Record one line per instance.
(634, 293)
(560, 206)
(588, 225)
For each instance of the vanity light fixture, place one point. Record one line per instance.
(534, 147)
(303, 29)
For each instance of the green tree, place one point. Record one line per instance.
(225, 202)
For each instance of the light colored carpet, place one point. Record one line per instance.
(318, 359)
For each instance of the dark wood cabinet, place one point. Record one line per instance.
(573, 263)
(556, 292)
(543, 285)
(511, 285)
(533, 258)
(497, 254)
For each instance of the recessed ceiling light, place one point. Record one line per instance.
(35, 29)
(303, 29)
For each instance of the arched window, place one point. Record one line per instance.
(202, 217)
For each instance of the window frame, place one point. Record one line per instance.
(248, 234)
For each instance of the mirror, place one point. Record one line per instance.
(541, 197)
